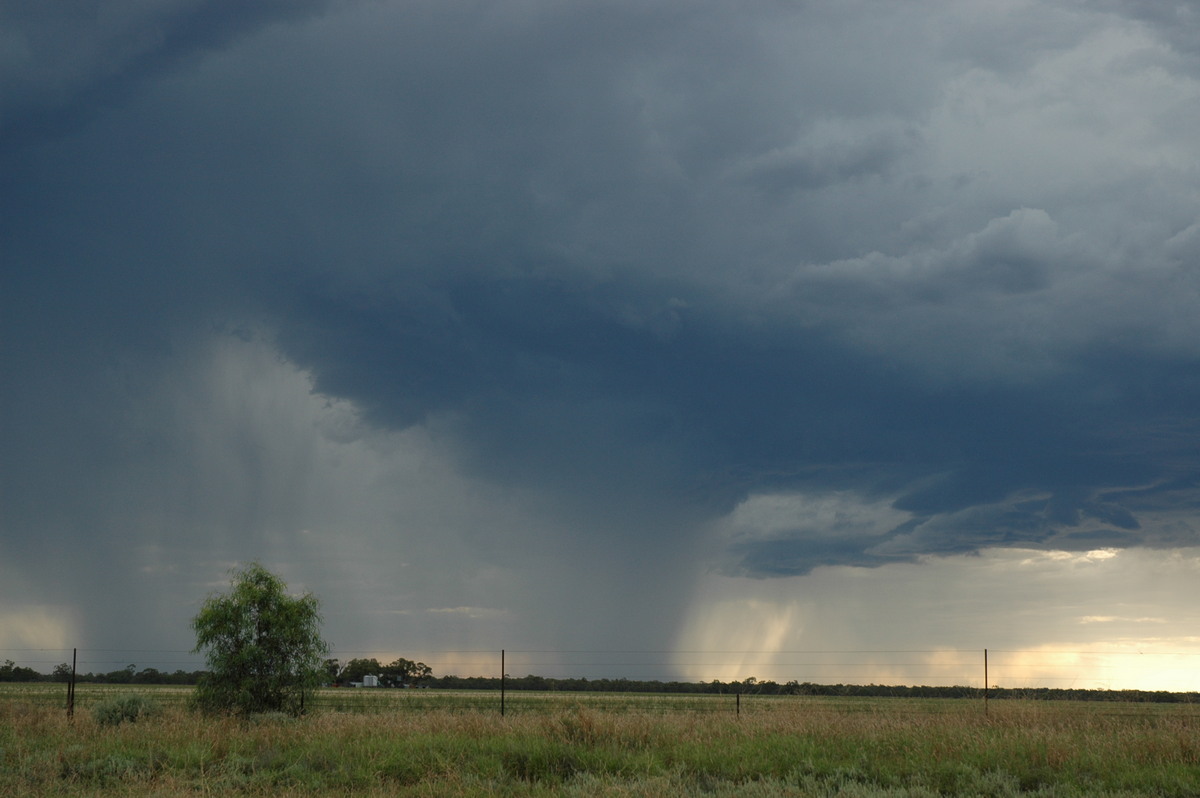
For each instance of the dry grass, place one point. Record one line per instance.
(798, 747)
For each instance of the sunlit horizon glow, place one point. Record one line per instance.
(828, 627)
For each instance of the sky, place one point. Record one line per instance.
(833, 342)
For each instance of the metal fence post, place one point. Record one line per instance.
(71, 685)
(985, 682)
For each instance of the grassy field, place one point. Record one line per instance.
(436, 744)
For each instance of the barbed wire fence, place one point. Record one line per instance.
(514, 680)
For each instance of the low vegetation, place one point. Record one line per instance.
(797, 746)
(126, 708)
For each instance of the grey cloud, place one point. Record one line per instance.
(60, 63)
(1016, 299)
(798, 556)
(1065, 520)
(998, 38)
(1176, 23)
(826, 158)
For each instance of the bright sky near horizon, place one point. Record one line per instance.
(611, 326)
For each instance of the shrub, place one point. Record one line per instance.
(130, 707)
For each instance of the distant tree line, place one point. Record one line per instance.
(11, 672)
(407, 673)
(752, 686)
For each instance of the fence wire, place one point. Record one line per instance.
(641, 680)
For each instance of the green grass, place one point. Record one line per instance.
(606, 745)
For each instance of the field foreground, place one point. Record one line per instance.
(793, 746)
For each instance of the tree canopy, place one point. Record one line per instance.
(399, 673)
(263, 646)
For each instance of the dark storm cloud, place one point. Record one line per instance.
(729, 408)
(645, 260)
(60, 63)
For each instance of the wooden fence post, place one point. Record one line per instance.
(502, 674)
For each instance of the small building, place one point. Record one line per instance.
(370, 681)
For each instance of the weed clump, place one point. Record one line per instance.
(131, 707)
